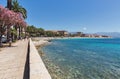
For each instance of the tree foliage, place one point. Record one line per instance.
(18, 8)
(33, 31)
(37, 32)
(9, 18)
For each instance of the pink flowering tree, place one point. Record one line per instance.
(3, 21)
(9, 18)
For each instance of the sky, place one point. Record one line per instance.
(89, 16)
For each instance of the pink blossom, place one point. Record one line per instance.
(9, 18)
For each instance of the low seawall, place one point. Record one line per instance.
(37, 67)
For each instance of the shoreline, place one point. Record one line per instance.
(47, 39)
(39, 43)
(42, 41)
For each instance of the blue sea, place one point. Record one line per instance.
(83, 58)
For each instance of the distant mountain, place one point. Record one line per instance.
(112, 34)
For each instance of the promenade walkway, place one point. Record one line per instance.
(12, 60)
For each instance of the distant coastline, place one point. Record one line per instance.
(47, 39)
(41, 41)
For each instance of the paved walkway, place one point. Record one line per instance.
(12, 60)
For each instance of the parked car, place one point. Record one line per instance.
(4, 39)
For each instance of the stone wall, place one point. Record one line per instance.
(37, 67)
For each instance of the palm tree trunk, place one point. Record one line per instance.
(7, 35)
(19, 32)
(0, 36)
(1, 40)
(15, 37)
(25, 33)
(9, 4)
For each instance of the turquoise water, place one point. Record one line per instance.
(83, 58)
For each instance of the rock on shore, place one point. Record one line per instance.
(40, 41)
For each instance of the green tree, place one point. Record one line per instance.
(40, 31)
(50, 34)
(13, 34)
(35, 32)
(31, 30)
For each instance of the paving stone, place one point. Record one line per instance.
(12, 60)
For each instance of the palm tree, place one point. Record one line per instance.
(9, 6)
(17, 8)
(14, 5)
